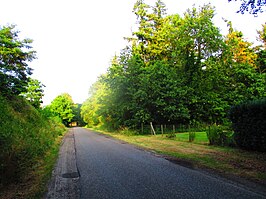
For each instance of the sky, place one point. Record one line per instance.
(75, 40)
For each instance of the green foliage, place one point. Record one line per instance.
(220, 136)
(63, 107)
(34, 93)
(14, 57)
(90, 108)
(191, 136)
(25, 136)
(77, 115)
(249, 124)
(175, 70)
(128, 132)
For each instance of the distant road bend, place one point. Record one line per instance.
(110, 168)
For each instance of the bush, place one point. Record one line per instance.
(249, 124)
(220, 136)
(127, 131)
(191, 136)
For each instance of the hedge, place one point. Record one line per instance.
(249, 125)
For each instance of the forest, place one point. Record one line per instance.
(177, 70)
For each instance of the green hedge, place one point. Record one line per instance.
(249, 124)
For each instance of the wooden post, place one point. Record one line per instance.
(152, 129)
(162, 129)
(142, 128)
(173, 128)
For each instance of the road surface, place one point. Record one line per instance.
(110, 168)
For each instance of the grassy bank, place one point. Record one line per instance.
(198, 154)
(29, 146)
(34, 184)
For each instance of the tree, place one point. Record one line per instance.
(62, 106)
(252, 6)
(262, 35)
(239, 50)
(34, 93)
(77, 115)
(149, 42)
(95, 103)
(261, 61)
(14, 57)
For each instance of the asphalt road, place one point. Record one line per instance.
(110, 168)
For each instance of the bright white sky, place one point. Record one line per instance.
(76, 39)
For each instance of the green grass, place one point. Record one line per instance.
(201, 137)
(28, 146)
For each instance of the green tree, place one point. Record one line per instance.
(14, 57)
(77, 115)
(62, 106)
(261, 61)
(95, 103)
(262, 35)
(148, 41)
(34, 93)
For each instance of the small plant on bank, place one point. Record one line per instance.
(191, 136)
(127, 131)
(171, 135)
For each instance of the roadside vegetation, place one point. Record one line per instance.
(29, 136)
(29, 143)
(180, 72)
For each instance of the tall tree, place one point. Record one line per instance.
(62, 106)
(14, 57)
(149, 43)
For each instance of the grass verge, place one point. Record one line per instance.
(230, 162)
(34, 184)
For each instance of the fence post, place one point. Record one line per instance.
(152, 129)
(162, 129)
(173, 128)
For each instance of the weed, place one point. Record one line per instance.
(192, 136)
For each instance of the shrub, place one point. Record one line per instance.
(249, 124)
(220, 136)
(191, 136)
(127, 131)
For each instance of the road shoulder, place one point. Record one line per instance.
(65, 177)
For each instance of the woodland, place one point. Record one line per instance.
(177, 70)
